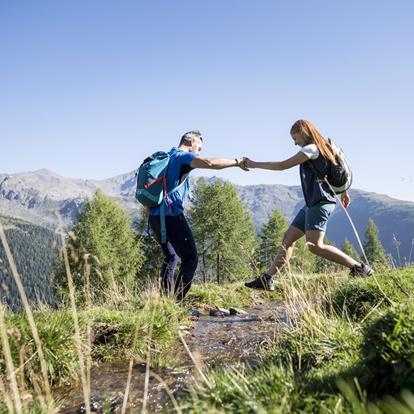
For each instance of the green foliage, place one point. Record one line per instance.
(115, 333)
(356, 297)
(227, 295)
(35, 254)
(349, 249)
(388, 351)
(373, 248)
(56, 335)
(316, 340)
(323, 265)
(223, 230)
(104, 247)
(153, 257)
(126, 333)
(302, 260)
(268, 388)
(270, 239)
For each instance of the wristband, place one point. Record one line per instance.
(237, 162)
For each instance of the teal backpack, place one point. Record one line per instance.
(151, 188)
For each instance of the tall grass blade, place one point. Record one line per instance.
(78, 342)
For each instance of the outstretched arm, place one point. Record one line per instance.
(217, 163)
(297, 159)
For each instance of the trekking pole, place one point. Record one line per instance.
(359, 241)
(350, 220)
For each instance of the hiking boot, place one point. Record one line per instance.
(362, 270)
(264, 282)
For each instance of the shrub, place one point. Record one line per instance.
(315, 341)
(388, 349)
(355, 298)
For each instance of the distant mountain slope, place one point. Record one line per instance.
(36, 196)
(34, 251)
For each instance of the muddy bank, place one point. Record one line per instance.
(216, 340)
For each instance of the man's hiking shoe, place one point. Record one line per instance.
(264, 282)
(362, 270)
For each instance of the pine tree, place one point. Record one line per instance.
(349, 249)
(323, 265)
(223, 230)
(153, 256)
(103, 238)
(270, 239)
(302, 260)
(373, 247)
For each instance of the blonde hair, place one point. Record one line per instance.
(311, 135)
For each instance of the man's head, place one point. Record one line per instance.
(192, 141)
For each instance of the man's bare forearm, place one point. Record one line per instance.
(220, 163)
(214, 163)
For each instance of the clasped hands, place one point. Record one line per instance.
(245, 163)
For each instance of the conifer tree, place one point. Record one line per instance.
(223, 230)
(270, 239)
(302, 260)
(323, 265)
(373, 247)
(350, 250)
(153, 256)
(103, 238)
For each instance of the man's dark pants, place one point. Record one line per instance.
(180, 244)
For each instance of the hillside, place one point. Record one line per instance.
(33, 249)
(37, 196)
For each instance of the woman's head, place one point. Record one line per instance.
(304, 133)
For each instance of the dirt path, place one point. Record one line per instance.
(218, 340)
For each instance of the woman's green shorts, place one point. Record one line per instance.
(313, 218)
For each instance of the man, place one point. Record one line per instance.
(180, 241)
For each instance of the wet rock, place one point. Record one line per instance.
(215, 312)
(236, 311)
(225, 312)
(195, 313)
(103, 334)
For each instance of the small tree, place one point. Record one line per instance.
(103, 248)
(349, 249)
(223, 230)
(323, 265)
(270, 239)
(153, 256)
(373, 247)
(302, 261)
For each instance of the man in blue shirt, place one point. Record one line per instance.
(180, 241)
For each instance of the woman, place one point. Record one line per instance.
(315, 155)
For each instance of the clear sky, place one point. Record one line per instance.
(89, 88)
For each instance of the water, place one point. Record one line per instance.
(218, 340)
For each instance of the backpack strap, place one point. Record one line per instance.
(162, 222)
(162, 210)
(178, 186)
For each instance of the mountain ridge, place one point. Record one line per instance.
(37, 195)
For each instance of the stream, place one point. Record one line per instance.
(216, 339)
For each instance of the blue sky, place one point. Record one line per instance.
(89, 88)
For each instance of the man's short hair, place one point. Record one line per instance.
(190, 137)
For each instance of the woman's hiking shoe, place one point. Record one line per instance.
(361, 269)
(264, 282)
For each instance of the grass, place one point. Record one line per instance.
(348, 349)
(227, 295)
(113, 335)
